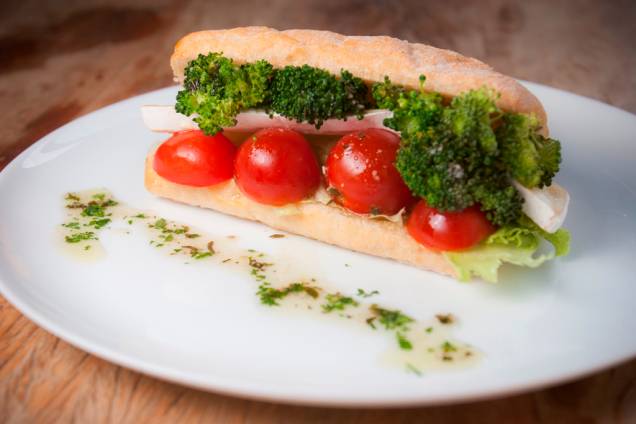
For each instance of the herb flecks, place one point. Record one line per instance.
(403, 342)
(73, 225)
(447, 351)
(392, 320)
(93, 215)
(338, 302)
(365, 294)
(174, 233)
(270, 296)
(99, 223)
(99, 207)
(78, 237)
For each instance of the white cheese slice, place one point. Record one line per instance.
(547, 206)
(162, 118)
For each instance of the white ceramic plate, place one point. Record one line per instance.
(202, 326)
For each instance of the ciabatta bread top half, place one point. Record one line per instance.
(368, 57)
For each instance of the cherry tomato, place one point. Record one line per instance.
(276, 166)
(361, 168)
(448, 230)
(195, 159)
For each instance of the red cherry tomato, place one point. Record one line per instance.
(195, 159)
(361, 168)
(448, 230)
(276, 166)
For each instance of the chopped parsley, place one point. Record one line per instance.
(201, 255)
(93, 209)
(338, 302)
(98, 209)
(448, 347)
(159, 224)
(365, 294)
(196, 253)
(270, 296)
(403, 342)
(77, 237)
(99, 223)
(391, 319)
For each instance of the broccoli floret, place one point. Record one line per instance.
(413, 110)
(532, 159)
(450, 155)
(217, 90)
(313, 95)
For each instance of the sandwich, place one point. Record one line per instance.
(377, 145)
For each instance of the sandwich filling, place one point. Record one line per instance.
(453, 155)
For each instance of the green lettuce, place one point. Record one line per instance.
(517, 245)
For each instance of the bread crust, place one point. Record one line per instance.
(368, 57)
(329, 224)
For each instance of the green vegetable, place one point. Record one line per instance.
(312, 95)
(200, 255)
(270, 296)
(391, 319)
(532, 159)
(448, 347)
(414, 111)
(217, 90)
(97, 209)
(73, 225)
(363, 293)
(336, 301)
(452, 156)
(93, 209)
(77, 237)
(99, 223)
(517, 245)
(403, 342)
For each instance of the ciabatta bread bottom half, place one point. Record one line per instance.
(329, 224)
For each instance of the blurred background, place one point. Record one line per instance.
(61, 59)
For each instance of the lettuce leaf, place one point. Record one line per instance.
(517, 245)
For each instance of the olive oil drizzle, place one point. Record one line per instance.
(417, 346)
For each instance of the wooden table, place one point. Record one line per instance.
(57, 63)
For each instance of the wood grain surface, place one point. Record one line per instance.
(60, 60)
